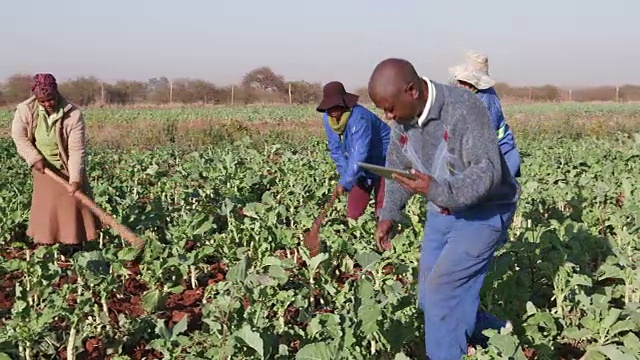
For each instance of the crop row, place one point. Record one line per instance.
(224, 275)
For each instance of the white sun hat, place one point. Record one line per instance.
(474, 71)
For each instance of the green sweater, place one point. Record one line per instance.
(46, 137)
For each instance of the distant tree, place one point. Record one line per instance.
(222, 95)
(126, 92)
(17, 88)
(158, 90)
(502, 88)
(600, 93)
(116, 94)
(263, 78)
(629, 93)
(246, 95)
(547, 93)
(202, 91)
(262, 85)
(83, 90)
(189, 91)
(303, 92)
(181, 91)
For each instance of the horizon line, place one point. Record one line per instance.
(4, 80)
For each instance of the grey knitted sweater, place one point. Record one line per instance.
(484, 178)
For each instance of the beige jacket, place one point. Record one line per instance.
(70, 130)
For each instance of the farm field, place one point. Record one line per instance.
(146, 126)
(296, 113)
(223, 204)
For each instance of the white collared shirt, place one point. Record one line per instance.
(430, 99)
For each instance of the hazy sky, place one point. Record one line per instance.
(563, 42)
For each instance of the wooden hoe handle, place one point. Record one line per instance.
(105, 218)
(323, 213)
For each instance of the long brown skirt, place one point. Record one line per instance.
(56, 216)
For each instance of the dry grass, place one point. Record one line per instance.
(147, 134)
(202, 132)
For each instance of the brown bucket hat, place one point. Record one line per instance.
(334, 94)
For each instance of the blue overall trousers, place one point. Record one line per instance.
(457, 249)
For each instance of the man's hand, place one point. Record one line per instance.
(74, 187)
(39, 166)
(419, 185)
(340, 190)
(383, 233)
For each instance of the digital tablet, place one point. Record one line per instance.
(386, 172)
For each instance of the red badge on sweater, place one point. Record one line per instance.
(403, 139)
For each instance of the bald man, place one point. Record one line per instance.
(443, 135)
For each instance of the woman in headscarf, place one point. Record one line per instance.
(49, 132)
(474, 75)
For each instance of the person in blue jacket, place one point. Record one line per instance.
(354, 134)
(474, 75)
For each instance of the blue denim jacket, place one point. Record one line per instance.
(365, 139)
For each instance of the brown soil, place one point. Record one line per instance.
(217, 273)
(569, 352)
(94, 349)
(126, 300)
(139, 352)
(8, 281)
(187, 303)
(7, 290)
(345, 276)
(529, 353)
